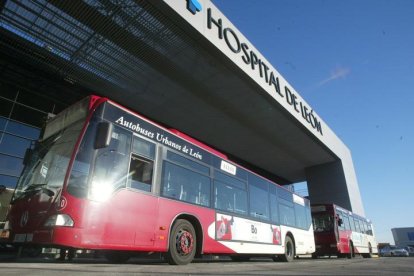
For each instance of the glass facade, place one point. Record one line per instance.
(22, 114)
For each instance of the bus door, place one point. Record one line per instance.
(143, 203)
(122, 181)
(343, 233)
(356, 235)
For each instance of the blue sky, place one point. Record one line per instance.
(353, 62)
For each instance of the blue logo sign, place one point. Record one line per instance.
(194, 6)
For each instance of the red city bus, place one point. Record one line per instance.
(105, 178)
(339, 232)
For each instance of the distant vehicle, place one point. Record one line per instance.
(410, 250)
(339, 232)
(393, 251)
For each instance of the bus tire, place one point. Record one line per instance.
(182, 243)
(71, 254)
(351, 253)
(369, 254)
(289, 251)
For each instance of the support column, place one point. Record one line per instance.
(332, 183)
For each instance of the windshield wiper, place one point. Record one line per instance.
(33, 189)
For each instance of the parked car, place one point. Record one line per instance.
(410, 250)
(393, 251)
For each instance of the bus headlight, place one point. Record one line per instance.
(59, 220)
(5, 232)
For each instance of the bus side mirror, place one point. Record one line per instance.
(27, 156)
(103, 135)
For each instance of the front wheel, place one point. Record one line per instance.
(351, 253)
(289, 251)
(183, 243)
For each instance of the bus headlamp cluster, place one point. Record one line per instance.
(5, 232)
(59, 220)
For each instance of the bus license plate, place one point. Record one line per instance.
(19, 238)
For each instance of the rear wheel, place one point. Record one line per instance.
(351, 253)
(289, 251)
(183, 243)
(368, 255)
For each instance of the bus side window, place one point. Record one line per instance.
(230, 193)
(347, 225)
(357, 228)
(352, 222)
(369, 227)
(184, 184)
(287, 215)
(140, 173)
(362, 225)
(229, 198)
(274, 210)
(141, 165)
(259, 199)
(341, 223)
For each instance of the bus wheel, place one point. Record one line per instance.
(117, 257)
(183, 243)
(289, 251)
(368, 255)
(351, 253)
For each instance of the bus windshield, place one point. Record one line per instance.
(49, 161)
(323, 222)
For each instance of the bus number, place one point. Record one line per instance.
(253, 229)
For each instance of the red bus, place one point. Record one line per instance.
(339, 232)
(105, 178)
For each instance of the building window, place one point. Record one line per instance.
(21, 116)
